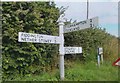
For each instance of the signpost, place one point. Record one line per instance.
(100, 50)
(73, 50)
(41, 38)
(81, 25)
(61, 47)
(38, 38)
(100, 55)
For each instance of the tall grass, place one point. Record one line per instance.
(91, 72)
(79, 71)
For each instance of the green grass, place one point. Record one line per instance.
(91, 72)
(79, 72)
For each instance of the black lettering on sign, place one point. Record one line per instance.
(77, 23)
(91, 25)
(82, 22)
(50, 40)
(69, 50)
(45, 40)
(40, 40)
(90, 20)
(26, 35)
(77, 28)
(32, 35)
(33, 40)
(40, 36)
(29, 35)
(27, 39)
(55, 40)
(72, 50)
(23, 39)
(22, 34)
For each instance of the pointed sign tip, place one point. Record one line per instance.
(117, 62)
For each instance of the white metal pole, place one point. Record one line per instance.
(61, 48)
(98, 58)
(62, 67)
(102, 57)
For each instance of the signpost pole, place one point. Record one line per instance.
(102, 57)
(98, 57)
(61, 47)
(40, 38)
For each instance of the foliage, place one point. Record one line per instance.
(79, 72)
(91, 72)
(32, 17)
(27, 59)
(90, 39)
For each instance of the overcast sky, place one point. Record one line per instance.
(107, 12)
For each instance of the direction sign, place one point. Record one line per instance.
(37, 38)
(93, 22)
(73, 50)
(117, 62)
(100, 50)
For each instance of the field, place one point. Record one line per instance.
(78, 71)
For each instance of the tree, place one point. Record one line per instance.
(32, 17)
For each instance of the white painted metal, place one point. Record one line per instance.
(61, 47)
(102, 57)
(98, 58)
(100, 50)
(73, 50)
(93, 22)
(38, 38)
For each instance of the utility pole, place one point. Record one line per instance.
(87, 8)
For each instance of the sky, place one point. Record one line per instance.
(106, 10)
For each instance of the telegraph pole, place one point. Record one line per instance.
(87, 8)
